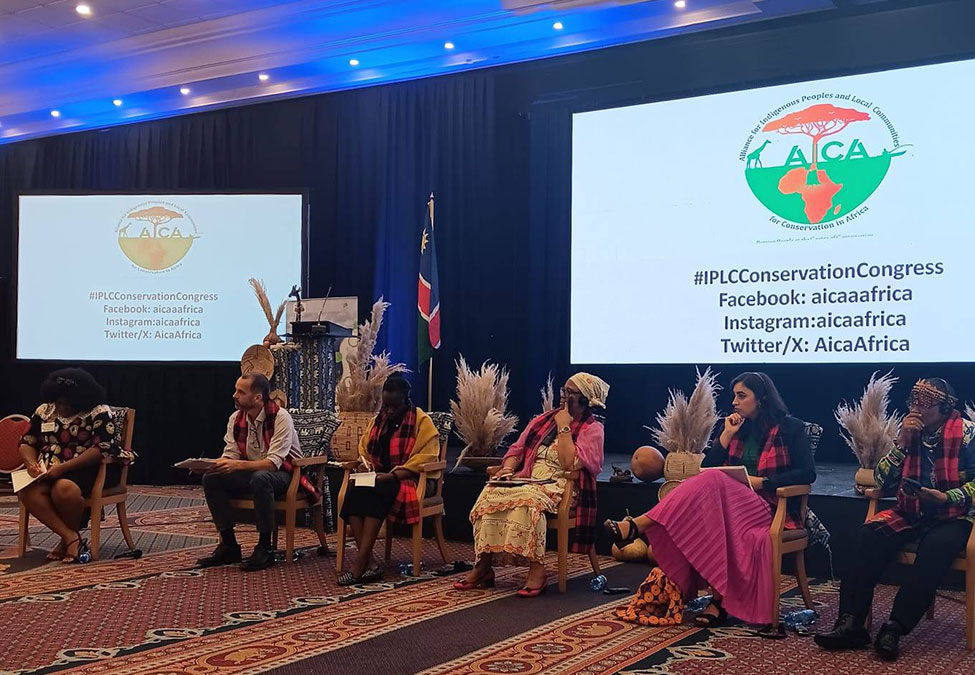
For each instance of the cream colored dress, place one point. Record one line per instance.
(510, 521)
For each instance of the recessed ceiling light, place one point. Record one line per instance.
(83, 9)
(184, 90)
(55, 113)
(558, 25)
(353, 62)
(448, 45)
(117, 102)
(264, 77)
(680, 4)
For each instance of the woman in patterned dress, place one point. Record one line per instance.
(68, 436)
(509, 522)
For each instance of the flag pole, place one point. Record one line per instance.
(430, 365)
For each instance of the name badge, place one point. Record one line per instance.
(48, 427)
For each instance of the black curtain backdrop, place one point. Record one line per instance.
(495, 147)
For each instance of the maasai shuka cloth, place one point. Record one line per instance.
(240, 437)
(774, 459)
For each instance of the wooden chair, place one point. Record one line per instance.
(963, 563)
(789, 542)
(431, 505)
(100, 495)
(562, 521)
(12, 428)
(792, 542)
(314, 447)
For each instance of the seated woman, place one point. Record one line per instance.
(400, 440)
(729, 548)
(64, 445)
(509, 522)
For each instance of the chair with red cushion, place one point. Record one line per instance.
(12, 428)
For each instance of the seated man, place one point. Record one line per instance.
(260, 438)
(932, 465)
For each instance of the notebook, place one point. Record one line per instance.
(739, 473)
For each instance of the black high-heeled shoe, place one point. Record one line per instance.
(613, 528)
(703, 620)
(83, 556)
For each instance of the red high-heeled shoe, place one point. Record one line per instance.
(533, 592)
(487, 581)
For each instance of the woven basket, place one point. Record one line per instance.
(681, 465)
(345, 442)
(665, 489)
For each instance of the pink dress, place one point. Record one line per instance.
(713, 530)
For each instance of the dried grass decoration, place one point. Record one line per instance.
(548, 395)
(684, 427)
(361, 390)
(273, 318)
(867, 427)
(481, 418)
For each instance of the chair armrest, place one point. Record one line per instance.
(793, 491)
(310, 461)
(430, 467)
(873, 493)
(492, 471)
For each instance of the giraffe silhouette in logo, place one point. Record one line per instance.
(755, 156)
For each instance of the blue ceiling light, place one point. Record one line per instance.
(316, 50)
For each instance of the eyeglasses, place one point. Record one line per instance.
(563, 392)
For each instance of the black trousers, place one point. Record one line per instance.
(262, 486)
(938, 545)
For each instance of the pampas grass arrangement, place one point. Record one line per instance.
(273, 318)
(480, 412)
(686, 424)
(866, 426)
(361, 390)
(548, 395)
(684, 428)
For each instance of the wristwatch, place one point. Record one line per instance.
(765, 482)
(565, 430)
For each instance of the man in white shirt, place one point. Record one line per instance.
(260, 437)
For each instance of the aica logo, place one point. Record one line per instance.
(156, 235)
(815, 167)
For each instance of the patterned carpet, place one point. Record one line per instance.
(160, 615)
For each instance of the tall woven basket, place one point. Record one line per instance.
(681, 465)
(345, 442)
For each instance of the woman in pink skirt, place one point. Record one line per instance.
(713, 530)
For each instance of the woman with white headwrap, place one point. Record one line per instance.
(509, 522)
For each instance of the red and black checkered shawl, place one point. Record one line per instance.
(774, 459)
(240, 436)
(905, 515)
(406, 507)
(542, 431)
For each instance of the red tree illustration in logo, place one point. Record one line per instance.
(817, 122)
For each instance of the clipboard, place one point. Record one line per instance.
(738, 473)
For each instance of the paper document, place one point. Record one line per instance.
(367, 479)
(22, 478)
(739, 473)
(198, 464)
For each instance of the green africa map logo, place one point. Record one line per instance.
(814, 168)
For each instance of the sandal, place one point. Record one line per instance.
(703, 620)
(57, 553)
(84, 552)
(348, 579)
(613, 527)
(372, 575)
